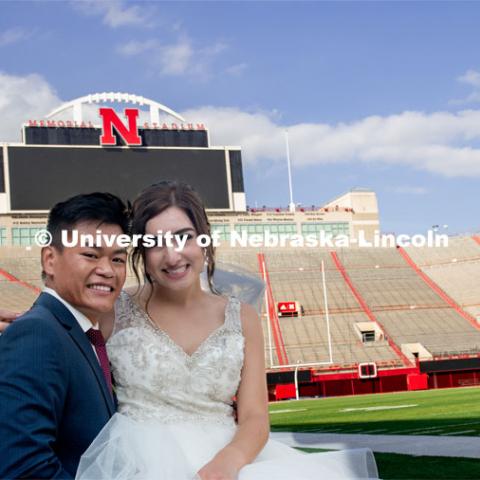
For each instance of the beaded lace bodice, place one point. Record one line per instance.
(156, 379)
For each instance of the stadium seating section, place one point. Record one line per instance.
(362, 285)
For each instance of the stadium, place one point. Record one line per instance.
(338, 321)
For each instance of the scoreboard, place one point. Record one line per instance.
(40, 176)
(57, 162)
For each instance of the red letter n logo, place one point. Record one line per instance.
(128, 134)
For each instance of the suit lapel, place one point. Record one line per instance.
(79, 337)
(65, 317)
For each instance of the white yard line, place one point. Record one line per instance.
(416, 430)
(289, 410)
(321, 430)
(431, 429)
(460, 433)
(377, 408)
(426, 429)
(314, 430)
(341, 430)
(419, 432)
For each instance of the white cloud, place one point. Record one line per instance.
(136, 48)
(214, 49)
(236, 70)
(174, 59)
(471, 78)
(408, 190)
(441, 142)
(13, 35)
(115, 13)
(22, 99)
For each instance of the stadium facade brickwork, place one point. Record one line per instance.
(361, 214)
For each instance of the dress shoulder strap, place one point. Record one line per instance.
(124, 311)
(233, 320)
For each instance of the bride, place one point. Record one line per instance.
(180, 355)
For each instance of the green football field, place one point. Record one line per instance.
(429, 412)
(447, 412)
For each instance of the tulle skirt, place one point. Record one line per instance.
(129, 450)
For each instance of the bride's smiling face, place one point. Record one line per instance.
(172, 267)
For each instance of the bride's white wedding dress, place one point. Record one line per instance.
(175, 410)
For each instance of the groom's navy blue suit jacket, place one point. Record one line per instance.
(53, 395)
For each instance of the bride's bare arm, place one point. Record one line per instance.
(252, 403)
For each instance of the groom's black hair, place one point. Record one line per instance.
(103, 208)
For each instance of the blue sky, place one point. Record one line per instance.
(383, 95)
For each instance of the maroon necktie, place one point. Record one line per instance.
(97, 340)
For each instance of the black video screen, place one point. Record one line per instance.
(43, 176)
(2, 180)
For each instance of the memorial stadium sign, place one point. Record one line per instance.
(115, 142)
(89, 124)
(114, 129)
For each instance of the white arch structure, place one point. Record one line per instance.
(118, 97)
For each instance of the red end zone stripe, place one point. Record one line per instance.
(261, 264)
(438, 290)
(275, 325)
(366, 308)
(13, 279)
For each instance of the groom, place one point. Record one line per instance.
(55, 383)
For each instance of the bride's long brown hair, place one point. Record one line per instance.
(154, 200)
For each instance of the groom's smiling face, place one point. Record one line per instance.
(89, 278)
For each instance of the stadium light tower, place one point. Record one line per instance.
(291, 205)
